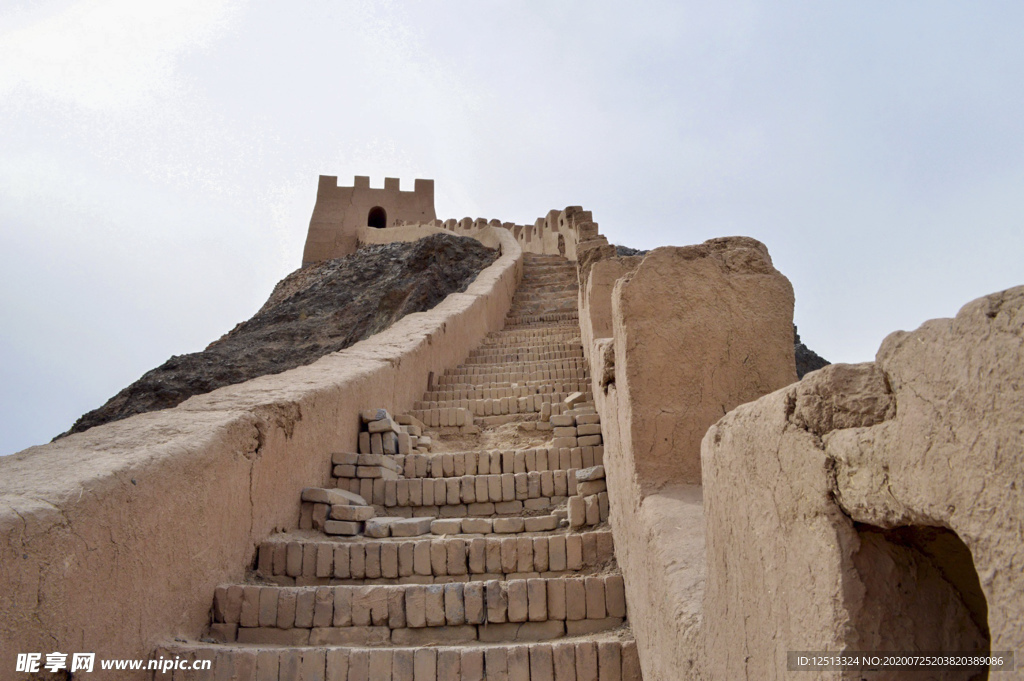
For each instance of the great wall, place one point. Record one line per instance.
(585, 467)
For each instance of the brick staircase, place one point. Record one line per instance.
(466, 540)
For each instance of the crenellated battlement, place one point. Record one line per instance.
(340, 212)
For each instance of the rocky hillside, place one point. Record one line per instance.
(807, 360)
(312, 312)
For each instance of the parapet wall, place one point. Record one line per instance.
(676, 339)
(114, 539)
(570, 233)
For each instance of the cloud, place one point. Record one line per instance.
(107, 54)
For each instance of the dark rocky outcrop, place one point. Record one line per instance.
(807, 360)
(312, 312)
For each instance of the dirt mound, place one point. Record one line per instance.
(312, 312)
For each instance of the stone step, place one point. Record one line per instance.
(490, 407)
(497, 462)
(464, 391)
(534, 609)
(322, 560)
(597, 657)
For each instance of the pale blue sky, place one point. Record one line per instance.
(158, 161)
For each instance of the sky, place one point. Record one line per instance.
(159, 161)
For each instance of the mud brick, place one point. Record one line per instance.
(422, 558)
(563, 420)
(379, 605)
(537, 597)
(603, 506)
(595, 598)
(590, 552)
(496, 598)
(378, 527)
(522, 486)
(492, 553)
(590, 487)
(446, 526)
(547, 483)
(586, 660)
(337, 664)
(518, 601)
(524, 554)
(390, 443)
(473, 599)
(565, 431)
(376, 444)
(415, 492)
(541, 663)
(456, 556)
(366, 489)
(519, 462)
(564, 661)
(508, 487)
(575, 599)
(496, 664)
(564, 442)
(410, 527)
(477, 525)
(556, 599)
(323, 607)
(590, 474)
(480, 490)
(438, 559)
(589, 440)
(541, 523)
(267, 615)
(434, 605)
(364, 443)
(250, 611)
(592, 510)
(472, 665)
(454, 604)
(305, 600)
(389, 560)
(427, 492)
(540, 554)
(416, 606)
(494, 488)
(573, 552)
(280, 557)
(449, 664)
(293, 567)
(476, 557)
(344, 471)
(402, 668)
(588, 457)
(351, 513)
(361, 606)
(507, 507)
(561, 483)
(342, 607)
(357, 561)
(468, 491)
(609, 660)
(372, 565)
(577, 512)
(380, 665)
(425, 665)
(509, 558)
(519, 663)
(453, 511)
(405, 558)
(508, 525)
(454, 491)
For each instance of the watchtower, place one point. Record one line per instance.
(340, 212)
